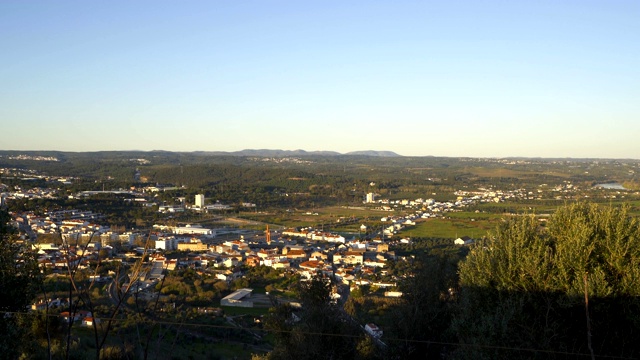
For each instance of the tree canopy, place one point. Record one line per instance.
(527, 286)
(321, 330)
(19, 278)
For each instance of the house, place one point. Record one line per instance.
(375, 262)
(465, 240)
(88, 321)
(252, 261)
(193, 245)
(227, 275)
(310, 268)
(382, 248)
(318, 255)
(221, 249)
(167, 243)
(66, 316)
(171, 264)
(210, 311)
(238, 245)
(80, 314)
(283, 264)
(333, 238)
(296, 254)
(345, 277)
(39, 306)
(353, 257)
(170, 209)
(373, 330)
(265, 253)
(359, 245)
(295, 233)
(276, 262)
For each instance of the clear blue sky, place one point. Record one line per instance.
(446, 78)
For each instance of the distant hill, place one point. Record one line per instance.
(279, 153)
(374, 153)
(63, 155)
(299, 152)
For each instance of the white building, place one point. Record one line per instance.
(168, 243)
(45, 247)
(217, 207)
(200, 200)
(373, 330)
(170, 209)
(370, 198)
(239, 298)
(194, 230)
(465, 240)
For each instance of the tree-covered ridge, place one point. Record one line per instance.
(121, 165)
(313, 180)
(526, 286)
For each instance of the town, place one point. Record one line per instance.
(176, 249)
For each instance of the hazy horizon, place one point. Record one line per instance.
(456, 79)
(312, 152)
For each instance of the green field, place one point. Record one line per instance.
(325, 215)
(454, 225)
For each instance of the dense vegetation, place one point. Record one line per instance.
(19, 283)
(570, 288)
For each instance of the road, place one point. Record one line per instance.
(112, 289)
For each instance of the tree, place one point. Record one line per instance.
(423, 314)
(525, 286)
(320, 331)
(19, 281)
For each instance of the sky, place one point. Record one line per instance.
(440, 78)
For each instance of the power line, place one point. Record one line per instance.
(212, 326)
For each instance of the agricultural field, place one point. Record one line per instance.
(454, 225)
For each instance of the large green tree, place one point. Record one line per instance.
(541, 289)
(19, 279)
